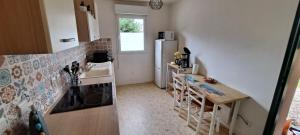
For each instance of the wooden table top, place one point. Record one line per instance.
(230, 94)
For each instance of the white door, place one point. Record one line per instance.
(135, 60)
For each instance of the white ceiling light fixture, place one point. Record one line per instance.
(156, 4)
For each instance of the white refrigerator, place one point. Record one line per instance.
(164, 53)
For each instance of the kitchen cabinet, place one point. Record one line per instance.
(87, 21)
(37, 26)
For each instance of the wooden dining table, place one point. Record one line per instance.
(229, 95)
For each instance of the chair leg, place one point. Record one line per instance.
(181, 102)
(199, 122)
(218, 121)
(189, 110)
(213, 121)
(218, 125)
(174, 99)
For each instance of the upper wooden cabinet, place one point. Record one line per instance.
(87, 21)
(37, 26)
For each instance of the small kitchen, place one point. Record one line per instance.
(53, 60)
(139, 67)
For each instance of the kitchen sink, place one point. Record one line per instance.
(97, 73)
(97, 70)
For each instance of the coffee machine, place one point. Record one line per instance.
(185, 58)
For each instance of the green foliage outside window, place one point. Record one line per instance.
(129, 25)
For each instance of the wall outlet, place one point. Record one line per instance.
(244, 120)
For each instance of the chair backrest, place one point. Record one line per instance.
(177, 83)
(196, 93)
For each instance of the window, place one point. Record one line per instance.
(131, 33)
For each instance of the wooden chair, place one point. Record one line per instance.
(180, 92)
(197, 99)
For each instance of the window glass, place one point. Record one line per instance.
(131, 34)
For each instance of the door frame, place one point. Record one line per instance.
(284, 77)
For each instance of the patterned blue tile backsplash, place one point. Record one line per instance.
(37, 80)
(5, 77)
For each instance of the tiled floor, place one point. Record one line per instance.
(144, 109)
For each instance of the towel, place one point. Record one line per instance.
(210, 89)
(190, 79)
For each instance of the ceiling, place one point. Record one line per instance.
(165, 1)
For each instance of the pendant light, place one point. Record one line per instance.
(156, 4)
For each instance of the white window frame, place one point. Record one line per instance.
(119, 37)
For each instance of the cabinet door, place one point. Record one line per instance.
(96, 22)
(93, 27)
(21, 27)
(60, 16)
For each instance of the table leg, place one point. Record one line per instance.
(213, 120)
(218, 122)
(167, 78)
(234, 116)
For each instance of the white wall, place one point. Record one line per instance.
(240, 43)
(137, 67)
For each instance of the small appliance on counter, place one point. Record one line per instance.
(166, 35)
(185, 58)
(99, 56)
